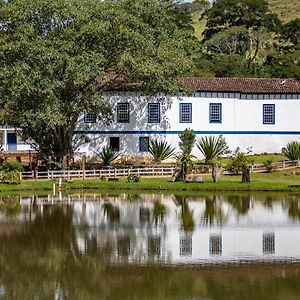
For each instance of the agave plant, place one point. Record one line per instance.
(212, 147)
(161, 150)
(107, 155)
(10, 172)
(292, 150)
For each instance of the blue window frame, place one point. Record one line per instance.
(215, 113)
(153, 112)
(123, 112)
(89, 118)
(268, 113)
(144, 143)
(185, 112)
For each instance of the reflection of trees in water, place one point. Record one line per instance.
(292, 205)
(10, 206)
(241, 204)
(186, 215)
(213, 213)
(159, 212)
(112, 212)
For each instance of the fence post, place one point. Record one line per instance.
(115, 172)
(252, 168)
(32, 174)
(283, 164)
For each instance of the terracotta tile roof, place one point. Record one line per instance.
(242, 85)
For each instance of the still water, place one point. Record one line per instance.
(150, 246)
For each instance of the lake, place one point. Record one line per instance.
(150, 246)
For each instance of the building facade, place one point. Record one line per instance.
(260, 113)
(249, 112)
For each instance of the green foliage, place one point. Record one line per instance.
(249, 13)
(268, 164)
(292, 150)
(107, 155)
(212, 147)
(161, 150)
(11, 172)
(184, 158)
(133, 178)
(239, 161)
(56, 57)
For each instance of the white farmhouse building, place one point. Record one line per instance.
(249, 112)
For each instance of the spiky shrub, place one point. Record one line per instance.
(11, 172)
(161, 150)
(212, 147)
(292, 150)
(107, 155)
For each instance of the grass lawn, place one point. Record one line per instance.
(276, 181)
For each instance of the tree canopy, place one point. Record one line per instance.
(56, 57)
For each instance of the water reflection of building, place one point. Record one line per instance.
(127, 231)
(268, 243)
(215, 244)
(186, 245)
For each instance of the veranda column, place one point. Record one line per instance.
(5, 140)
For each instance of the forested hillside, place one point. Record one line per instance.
(246, 38)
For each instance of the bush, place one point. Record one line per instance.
(238, 161)
(212, 147)
(133, 178)
(160, 150)
(268, 164)
(292, 150)
(11, 172)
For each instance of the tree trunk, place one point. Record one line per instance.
(246, 174)
(216, 173)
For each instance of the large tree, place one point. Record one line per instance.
(57, 56)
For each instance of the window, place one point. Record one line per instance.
(185, 113)
(268, 114)
(123, 112)
(89, 118)
(215, 113)
(114, 143)
(144, 143)
(153, 113)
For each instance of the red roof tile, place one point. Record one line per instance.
(242, 85)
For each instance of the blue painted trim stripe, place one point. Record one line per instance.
(178, 132)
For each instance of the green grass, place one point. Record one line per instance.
(286, 10)
(276, 181)
(199, 25)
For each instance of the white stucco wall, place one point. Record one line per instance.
(242, 123)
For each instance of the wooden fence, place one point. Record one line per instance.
(156, 171)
